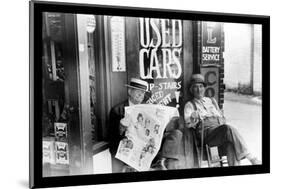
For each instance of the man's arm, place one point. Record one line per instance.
(191, 116)
(217, 106)
(222, 118)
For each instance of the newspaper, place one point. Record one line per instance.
(145, 126)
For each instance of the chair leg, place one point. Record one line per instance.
(214, 158)
(208, 155)
(221, 163)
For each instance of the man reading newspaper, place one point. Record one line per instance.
(126, 138)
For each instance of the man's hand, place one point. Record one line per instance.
(195, 117)
(125, 121)
(122, 130)
(124, 124)
(194, 120)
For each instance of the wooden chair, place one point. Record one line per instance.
(211, 154)
(214, 159)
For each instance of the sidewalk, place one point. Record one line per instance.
(245, 114)
(247, 99)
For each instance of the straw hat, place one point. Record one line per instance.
(197, 78)
(138, 84)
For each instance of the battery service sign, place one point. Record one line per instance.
(211, 43)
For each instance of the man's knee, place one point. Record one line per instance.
(171, 144)
(117, 165)
(173, 124)
(175, 134)
(228, 129)
(230, 132)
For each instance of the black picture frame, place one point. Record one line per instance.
(36, 177)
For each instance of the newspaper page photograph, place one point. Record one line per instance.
(145, 126)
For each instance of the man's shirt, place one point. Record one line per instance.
(205, 107)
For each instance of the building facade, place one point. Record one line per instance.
(88, 59)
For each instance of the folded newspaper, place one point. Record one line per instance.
(145, 126)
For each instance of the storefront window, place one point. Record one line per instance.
(54, 121)
(161, 59)
(69, 93)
